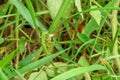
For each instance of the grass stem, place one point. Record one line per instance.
(114, 31)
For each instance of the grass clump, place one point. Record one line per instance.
(59, 40)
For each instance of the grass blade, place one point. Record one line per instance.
(2, 75)
(59, 15)
(7, 59)
(26, 14)
(31, 10)
(28, 59)
(23, 11)
(78, 71)
(40, 62)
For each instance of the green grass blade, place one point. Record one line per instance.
(92, 25)
(28, 59)
(40, 62)
(59, 48)
(19, 74)
(2, 75)
(23, 11)
(26, 14)
(31, 10)
(78, 71)
(91, 41)
(7, 59)
(59, 15)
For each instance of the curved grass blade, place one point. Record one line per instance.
(40, 62)
(59, 15)
(92, 24)
(28, 59)
(2, 75)
(26, 14)
(23, 11)
(7, 59)
(78, 71)
(31, 10)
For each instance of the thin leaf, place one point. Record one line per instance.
(31, 10)
(40, 62)
(78, 5)
(59, 15)
(19, 74)
(92, 24)
(91, 41)
(83, 37)
(59, 48)
(2, 75)
(22, 45)
(90, 27)
(26, 14)
(23, 11)
(54, 6)
(78, 71)
(1, 40)
(60, 66)
(96, 15)
(28, 59)
(7, 59)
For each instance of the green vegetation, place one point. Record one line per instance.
(59, 40)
